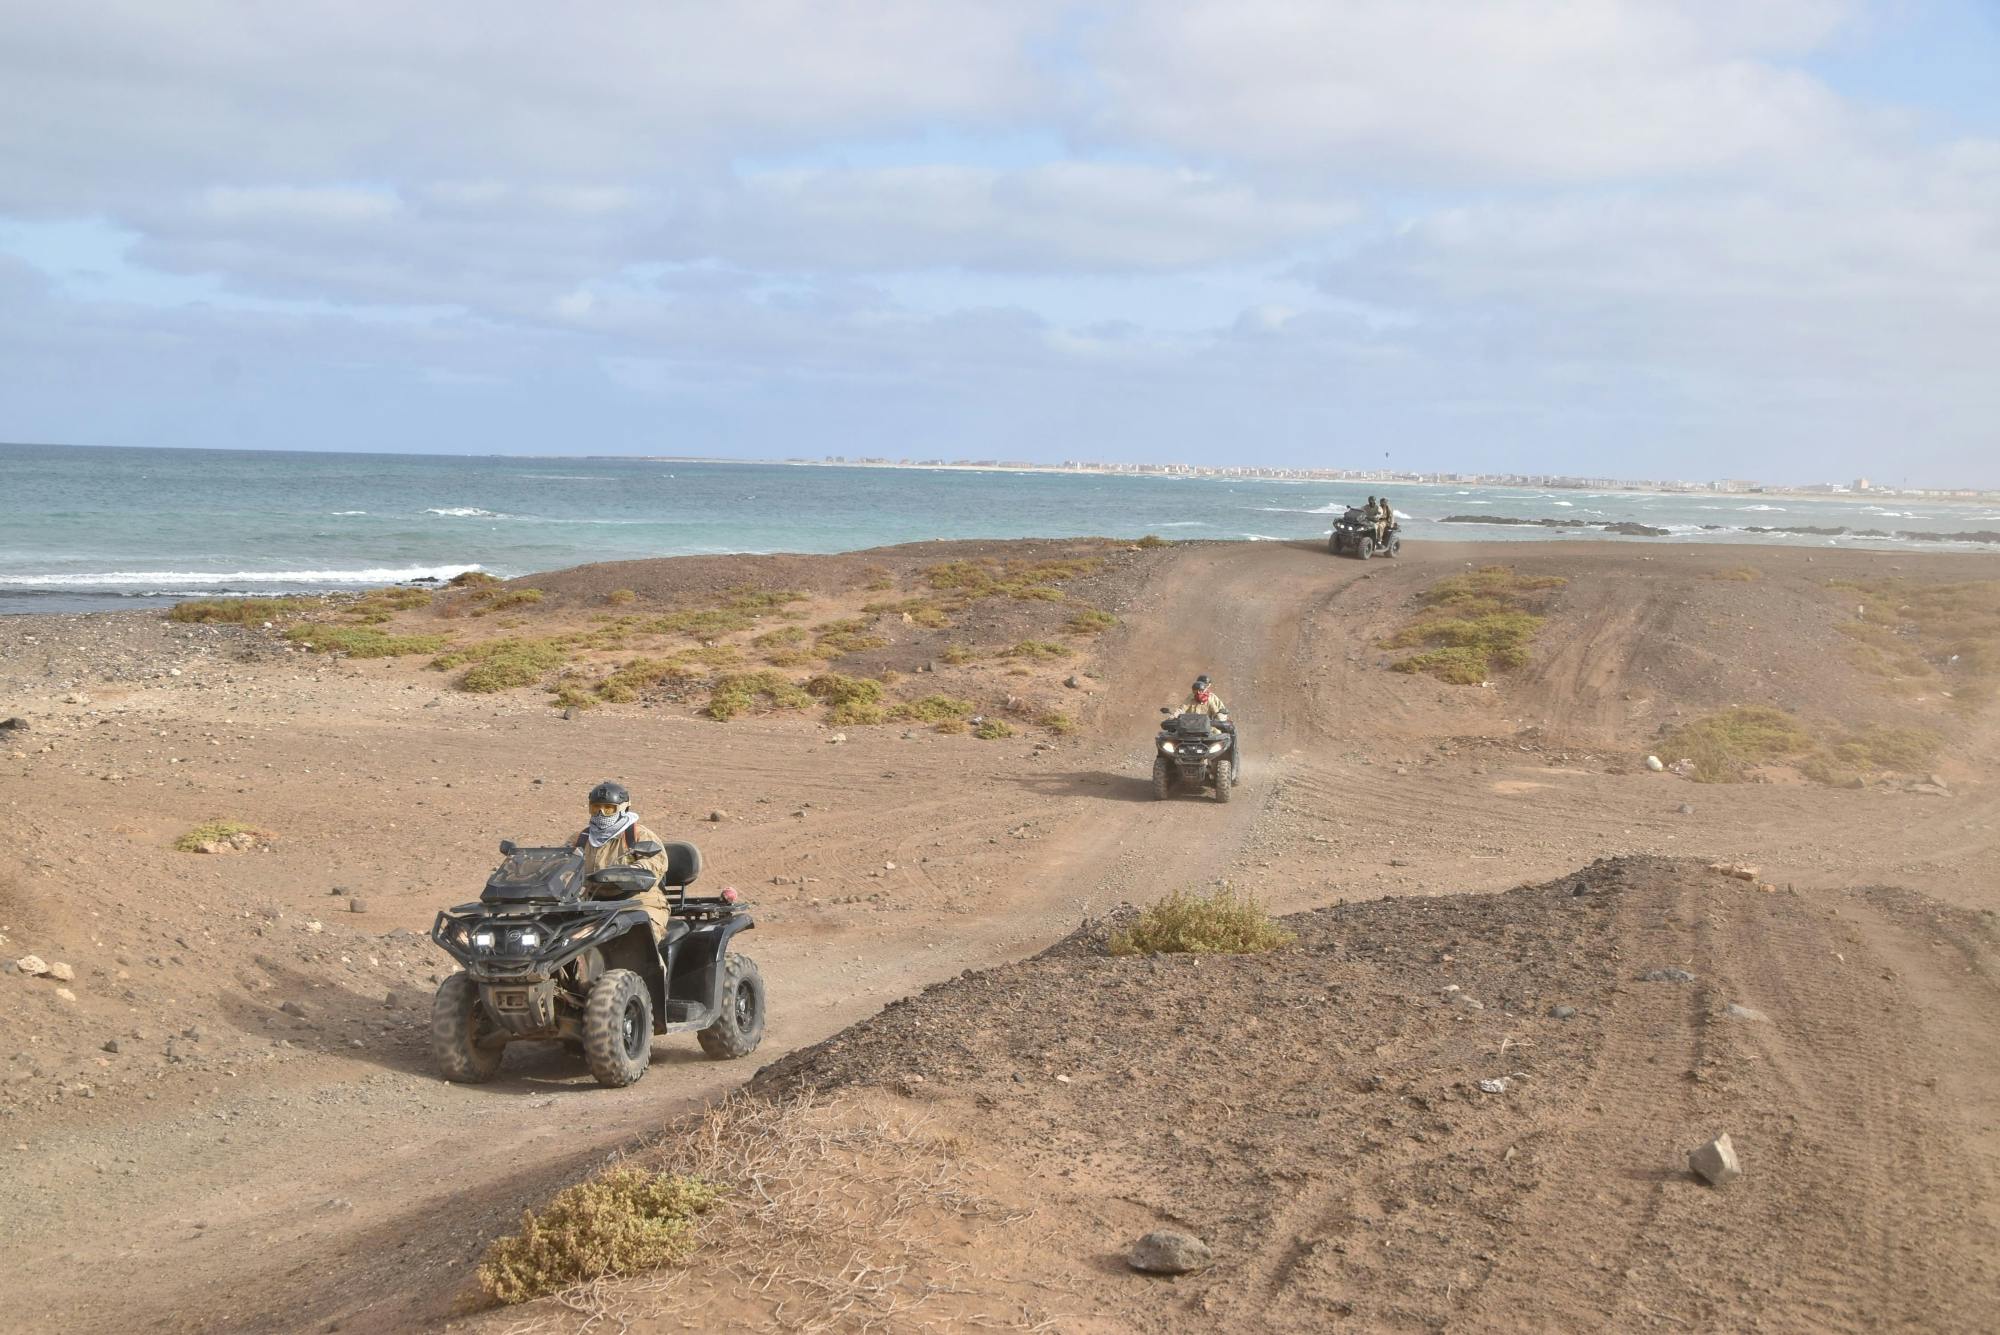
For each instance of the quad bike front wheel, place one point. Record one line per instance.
(739, 1025)
(1365, 548)
(618, 1028)
(1163, 778)
(463, 1041)
(1223, 785)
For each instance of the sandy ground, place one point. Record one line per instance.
(234, 1166)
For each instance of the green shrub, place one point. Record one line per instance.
(1474, 626)
(500, 602)
(958, 654)
(471, 579)
(620, 597)
(240, 611)
(848, 699)
(1217, 924)
(833, 639)
(1090, 621)
(1057, 722)
(993, 729)
(1040, 649)
(1723, 745)
(363, 641)
(1152, 540)
(935, 709)
(499, 665)
(212, 832)
(619, 1223)
(742, 691)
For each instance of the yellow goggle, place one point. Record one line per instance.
(603, 808)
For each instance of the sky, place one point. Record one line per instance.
(1710, 238)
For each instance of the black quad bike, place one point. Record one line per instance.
(1194, 751)
(1354, 535)
(548, 953)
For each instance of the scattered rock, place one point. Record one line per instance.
(1071, 682)
(293, 1009)
(1686, 808)
(836, 739)
(1168, 1252)
(569, 712)
(1655, 764)
(65, 994)
(357, 906)
(1715, 1163)
(1563, 1012)
(31, 965)
(13, 725)
(1666, 976)
(1736, 1012)
(1740, 872)
(717, 817)
(1498, 1085)
(62, 973)
(110, 1045)
(1464, 1002)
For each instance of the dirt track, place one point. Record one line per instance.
(333, 1180)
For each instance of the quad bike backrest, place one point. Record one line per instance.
(683, 864)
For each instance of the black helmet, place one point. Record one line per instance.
(1201, 682)
(610, 791)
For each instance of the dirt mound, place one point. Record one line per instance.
(1466, 1108)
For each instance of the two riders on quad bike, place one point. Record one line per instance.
(580, 942)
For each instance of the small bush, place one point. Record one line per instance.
(784, 637)
(1152, 540)
(500, 602)
(993, 729)
(240, 611)
(620, 597)
(1475, 625)
(936, 709)
(1880, 747)
(213, 832)
(742, 691)
(1186, 923)
(879, 579)
(624, 1221)
(363, 641)
(499, 665)
(1057, 722)
(471, 579)
(1723, 745)
(1040, 649)
(1090, 621)
(848, 699)
(1738, 575)
(958, 654)
(832, 639)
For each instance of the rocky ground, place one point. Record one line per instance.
(231, 1090)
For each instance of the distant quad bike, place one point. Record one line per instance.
(1353, 535)
(1194, 751)
(548, 953)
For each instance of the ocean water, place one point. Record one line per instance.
(84, 528)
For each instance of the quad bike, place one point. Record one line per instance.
(1354, 535)
(1194, 750)
(548, 953)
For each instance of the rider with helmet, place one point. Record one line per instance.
(1202, 699)
(611, 840)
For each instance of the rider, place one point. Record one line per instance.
(1387, 521)
(1202, 699)
(609, 841)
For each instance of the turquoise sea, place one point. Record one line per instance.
(95, 528)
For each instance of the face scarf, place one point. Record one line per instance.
(603, 829)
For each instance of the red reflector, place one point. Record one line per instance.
(729, 894)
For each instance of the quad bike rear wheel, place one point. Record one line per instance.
(739, 1026)
(618, 1028)
(1395, 546)
(1163, 778)
(463, 1041)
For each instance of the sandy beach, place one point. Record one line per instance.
(228, 1102)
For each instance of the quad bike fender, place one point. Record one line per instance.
(697, 975)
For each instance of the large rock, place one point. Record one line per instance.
(32, 965)
(62, 973)
(1168, 1252)
(1715, 1163)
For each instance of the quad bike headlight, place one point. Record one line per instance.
(1168, 747)
(1213, 747)
(483, 940)
(530, 938)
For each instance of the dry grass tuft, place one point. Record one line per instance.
(993, 730)
(1221, 923)
(621, 1222)
(214, 832)
(1722, 746)
(363, 641)
(740, 692)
